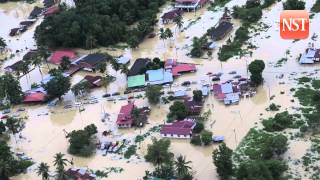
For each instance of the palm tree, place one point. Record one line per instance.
(43, 171)
(168, 34)
(178, 21)
(181, 166)
(25, 69)
(115, 65)
(60, 162)
(162, 35)
(44, 54)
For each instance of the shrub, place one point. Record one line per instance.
(196, 140)
(198, 128)
(206, 137)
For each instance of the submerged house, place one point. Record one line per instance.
(221, 30)
(139, 67)
(94, 81)
(190, 4)
(310, 56)
(179, 129)
(36, 12)
(57, 56)
(178, 68)
(170, 16)
(80, 174)
(227, 92)
(125, 119)
(194, 108)
(35, 95)
(136, 81)
(90, 62)
(158, 77)
(123, 60)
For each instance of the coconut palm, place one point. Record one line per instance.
(162, 35)
(178, 21)
(168, 34)
(44, 54)
(60, 162)
(181, 166)
(43, 171)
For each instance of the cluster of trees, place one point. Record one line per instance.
(99, 23)
(260, 158)
(10, 89)
(197, 96)
(250, 13)
(178, 111)
(279, 122)
(198, 45)
(204, 138)
(81, 88)
(256, 68)
(60, 162)
(9, 164)
(58, 85)
(166, 167)
(294, 5)
(81, 141)
(153, 94)
(3, 44)
(155, 64)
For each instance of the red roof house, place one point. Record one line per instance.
(193, 107)
(125, 119)
(80, 174)
(57, 56)
(179, 68)
(178, 129)
(33, 97)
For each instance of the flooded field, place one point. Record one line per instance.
(44, 134)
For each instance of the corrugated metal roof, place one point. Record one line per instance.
(136, 81)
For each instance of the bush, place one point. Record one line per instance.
(294, 5)
(196, 140)
(178, 110)
(198, 128)
(279, 122)
(273, 107)
(130, 151)
(206, 137)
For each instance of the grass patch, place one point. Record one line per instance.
(304, 80)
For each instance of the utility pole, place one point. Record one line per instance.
(235, 137)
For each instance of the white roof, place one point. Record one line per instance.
(123, 59)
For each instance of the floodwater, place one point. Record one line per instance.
(45, 129)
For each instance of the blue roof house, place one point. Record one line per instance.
(226, 88)
(158, 77)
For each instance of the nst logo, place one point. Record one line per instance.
(294, 24)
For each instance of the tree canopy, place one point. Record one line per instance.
(153, 94)
(99, 23)
(178, 111)
(294, 5)
(222, 159)
(10, 89)
(256, 68)
(58, 85)
(158, 152)
(197, 95)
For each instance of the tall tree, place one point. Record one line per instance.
(153, 94)
(65, 63)
(182, 167)
(43, 171)
(256, 68)
(37, 62)
(178, 21)
(60, 162)
(10, 89)
(58, 85)
(15, 125)
(222, 159)
(178, 111)
(3, 44)
(158, 152)
(162, 35)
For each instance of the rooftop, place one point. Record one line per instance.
(179, 128)
(58, 55)
(136, 81)
(138, 67)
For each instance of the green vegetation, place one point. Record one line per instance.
(249, 14)
(81, 141)
(316, 7)
(158, 152)
(81, 88)
(197, 46)
(99, 23)
(316, 84)
(217, 3)
(155, 64)
(58, 85)
(105, 173)
(14, 125)
(304, 80)
(294, 5)
(166, 167)
(273, 107)
(197, 95)
(206, 137)
(222, 159)
(3, 44)
(153, 94)
(198, 128)
(196, 140)
(9, 164)
(10, 89)
(65, 64)
(256, 68)
(130, 151)
(178, 111)
(43, 171)
(257, 156)
(281, 121)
